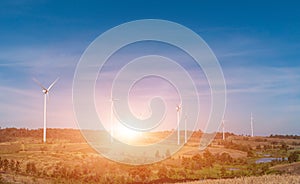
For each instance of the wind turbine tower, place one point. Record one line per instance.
(178, 109)
(223, 129)
(46, 93)
(112, 100)
(252, 134)
(185, 131)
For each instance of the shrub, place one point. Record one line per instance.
(293, 157)
(31, 168)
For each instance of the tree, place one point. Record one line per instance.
(144, 173)
(198, 161)
(140, 173)
(181, 173)
(157, 154)
(265, 168)
(162, 172)
(258, 147)
(1, 179)
(209, 159)
(293, 157)
(31, 168)
(12, 165)
(43, 148)
(18, 166)
(197, 157)
(133, 173)
(284, 146)
(250, 153)
(168, 154)
(171, 173)
(5, 164)
(223, 172)
(252, 168)
(185, 162)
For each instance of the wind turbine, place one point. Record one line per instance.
(223, 129)
(185, 131)
(252, 134)
(178, 109)
(46, 93)
(112, 100)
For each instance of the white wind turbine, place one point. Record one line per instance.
(252, 134)
(178, 109)
(185, 131)
(46, 93)
(223, 128)
(112, 100)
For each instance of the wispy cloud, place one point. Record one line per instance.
(272, 80)
(14, 90)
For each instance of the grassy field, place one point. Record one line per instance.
(266, 179)
(293, 168)
(67, 158)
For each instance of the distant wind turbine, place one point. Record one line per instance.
(46, 93)
(185, 130)
(223, 128)
(178, 109)
(112, 100)
(252, 134)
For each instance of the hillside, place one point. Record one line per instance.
(67, 158)
(266, 179)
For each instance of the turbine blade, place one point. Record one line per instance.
(113, 99)
(52, 84)
(38, 83)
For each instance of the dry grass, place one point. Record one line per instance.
(10, 178)
(267, 179)
(72, 154)
(293, 168)
(190, 151)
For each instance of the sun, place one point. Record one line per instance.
(125, 134)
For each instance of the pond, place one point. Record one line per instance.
(233, 169)
(267, 159)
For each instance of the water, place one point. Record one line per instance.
(268, 159)
(233, 169)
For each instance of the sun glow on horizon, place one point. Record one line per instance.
(125, 134)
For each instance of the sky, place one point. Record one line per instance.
(256, 43)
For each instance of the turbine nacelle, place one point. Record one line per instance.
(178, 108)
(45, 91)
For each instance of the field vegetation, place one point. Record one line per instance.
(67, 158)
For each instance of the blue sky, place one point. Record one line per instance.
(257, 44)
